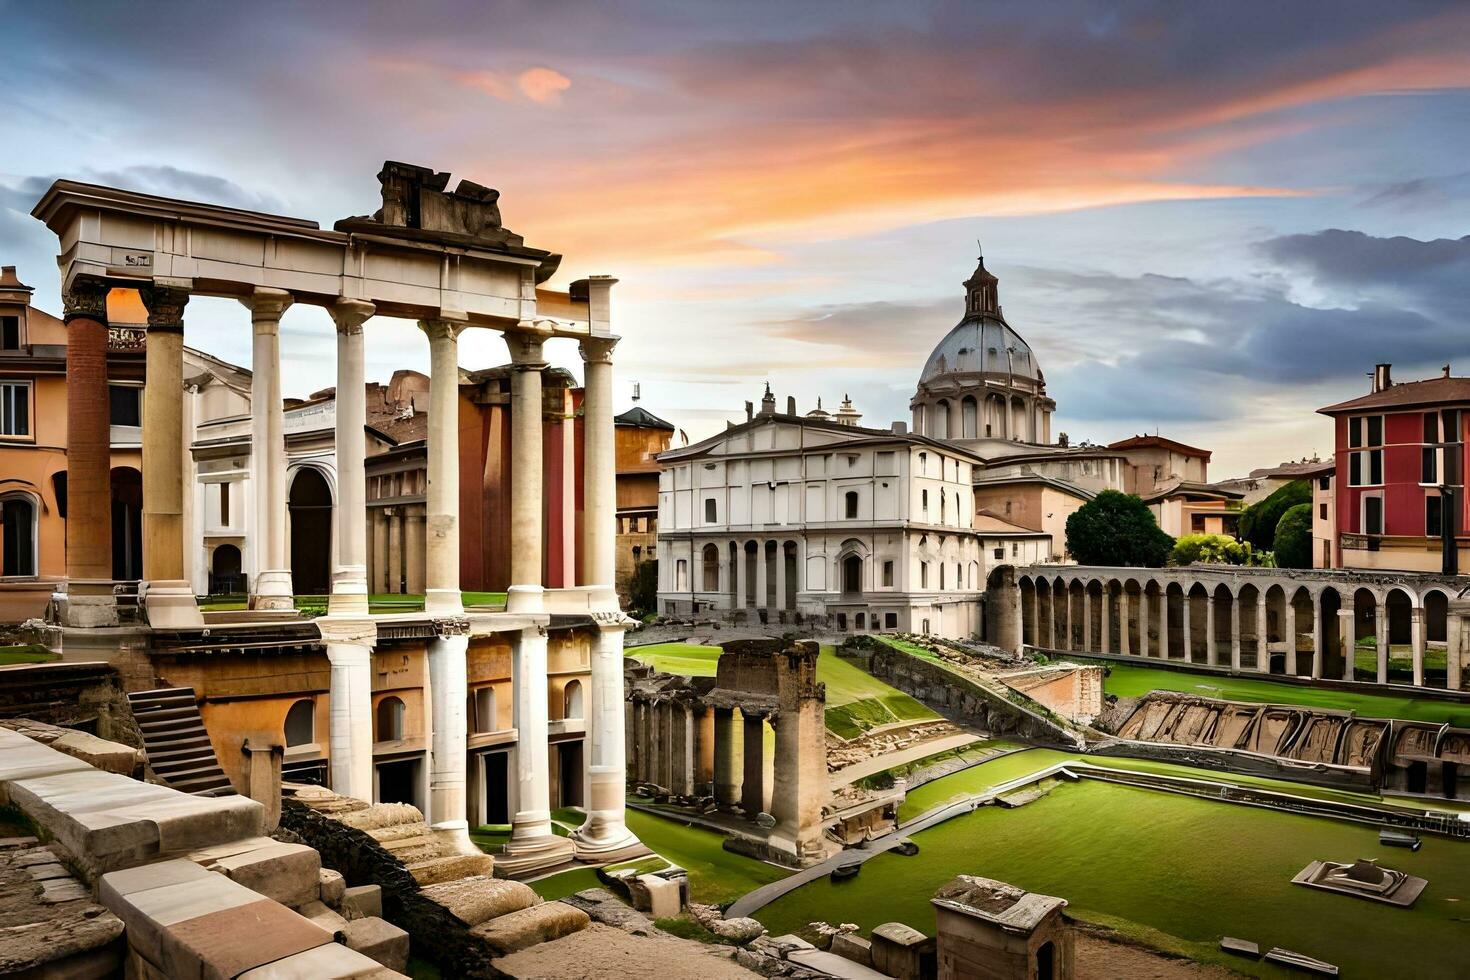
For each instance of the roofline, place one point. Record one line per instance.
(872, 435)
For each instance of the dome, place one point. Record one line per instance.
(981, 343)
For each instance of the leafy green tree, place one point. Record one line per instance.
(1294, 537)
(1211, 549)
(643, 589)
(1258, 521)
(1117, 529)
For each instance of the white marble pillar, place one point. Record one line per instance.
(760, 575)
(605, 830)
(449, 695)
(1186, 629)
(1381, 640)
(1319, 637)
(1416, 639)
(350, 707)
(271, 586)
(1106, 644)
(441, 549)
(780, 575)
(1212, 648)
(526, 593)
(349, 577)
(1263, 636)
(741, 576)
(1235, 633)
(1347, 639)
(532, 843)
(599, 474)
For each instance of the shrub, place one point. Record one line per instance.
(1117, 529)
(1294, 537)
(1258, 521)
(1213, 549)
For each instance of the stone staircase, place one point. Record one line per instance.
(178, 747)
(447, 899)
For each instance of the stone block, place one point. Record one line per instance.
(379, 939)
(326, 918)
(99, 753)
(329, 962)
(739, 930)
(903, 952)
(853, 947)
(659, 896)
(832, 965)
(287, 873)
(361, 900)
(451, 868)
(479, 899)
(529, 927)
(330, 887)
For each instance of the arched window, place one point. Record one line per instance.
(572, 699)
(711, 556)
(943, 504)
(852, 573)
(18, 535)
(301, 723)
(850, 504)
(486, 719)
(390, 720)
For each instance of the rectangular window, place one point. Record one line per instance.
(123, 405)
(1451, 418)
(1322, 512)
(923, 574)
(710, 510)
(1372, 515)
(15, 409)
(1375, 430)
(1429, 465)
(1324, 483)
(224, 505)
(850, 505)
(1366, 468)
(924, 501)
(9, 333)
(1431, 427)
(1433, 517)
(888, 574)
(890, 621)
(1000, 552)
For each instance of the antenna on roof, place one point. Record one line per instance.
(979, 249)
(637, 392)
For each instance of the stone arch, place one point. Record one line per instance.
(126, 485)
(1275, 598)
(20, 533)
(1364, 654)
(1329, 660)
(1222, 602)
(1171, 622)
(571, 695)
(940, 419)
(226, 576)
(1016, 421)
(1199, 638)
(710, 567)
(388, 719)
(970, 417)
(1302, 609)
(1398, 609)
(749, 554)
(300, 724)
(732, 582)
(1151, 606)
(790, 559)
(1027, 588)
(1436, 606)
(1252, 643)
(992, 417)
(770, 556)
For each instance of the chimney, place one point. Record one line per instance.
(1446, 370)
(900, 428)
(749, 411)
(768, 401)
(1381, 377)
(790, 404)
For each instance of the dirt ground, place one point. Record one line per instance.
(601, 952)
(1101, 959)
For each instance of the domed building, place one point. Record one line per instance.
(983, 381)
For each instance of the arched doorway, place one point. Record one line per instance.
(225, 577)
(311, 532)
(127, 524)
(852, 574)
(18, 535)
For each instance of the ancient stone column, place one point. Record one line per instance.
(1381, 639)
(1319, 638)
(800, 783)
(1235, 633)
(395, 549)
(780, 576)
(1106, 645)
(1416, 639)
(605, 830)
(413, 550)
(525, 593)
(1212, 647)
(1035, 615)
(349, 579)
(271, 587)
(727, 783)
(1186, 630)
(1347, 639)
(1085, 638)
(380, 549)
(599, 475)
(1124, 641)
(681, 742)
(167, 598)
(89, 600)
(532, 843)
(441, 550)
(1263, 636)
(350, 707)
(752, 786)
(1143, 644)
(760, 575)
(704, 750)
(449, 697)
(1289, 629)
(741, 573)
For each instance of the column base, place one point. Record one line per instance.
(530, 855)
(349, 595)
(443, 602)
(273, 590)
(456, 833)
(170, 605)
(86, 605)
(525, 599)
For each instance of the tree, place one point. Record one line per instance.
(1209, 549)
(643, 589)
(1258, 521)
(1117, 529)
(1294, 537)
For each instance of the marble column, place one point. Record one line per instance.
(599, 475)
(89, 600)
(1416, 639)
(1186, 628)
(1106, 646)
(526, 589)
(271, 586)
(752, 787)
(441, 549)
(1085, 639)
(449, 700)
(1381, 640)
(727, 783)
(1124, 641)
(1289, 629)
(413, 550)
(760, 575)
(780, 575)
(350, 707)
(349, 578)
(1143, 645)
(380, 549)
(605, 830)
(1319, 638)
(1347, 639)
(1235, 633)
(395, 549)
(1212, 647)
(532, 843)
(1263, 636)
(167, 598)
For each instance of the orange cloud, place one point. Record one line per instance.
(543, 85)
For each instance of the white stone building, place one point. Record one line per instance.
(864, 529)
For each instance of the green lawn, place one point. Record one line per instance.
(26, 653)
(909, 648)
(856, 700)
(1176, 872)
(1128, 680)
(716, 876)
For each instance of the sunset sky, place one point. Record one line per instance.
(1207, 218)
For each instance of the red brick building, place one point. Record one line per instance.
(1398, 486)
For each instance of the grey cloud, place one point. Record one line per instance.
(1421, 193)
(160, 179)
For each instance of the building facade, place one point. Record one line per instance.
(641, 436)
(1398, 485)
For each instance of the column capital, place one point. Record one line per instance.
(526, 347)
(440, 329)
(598, 350)
(165, 305)
(86, 299)
(351, 314)
(267, 304)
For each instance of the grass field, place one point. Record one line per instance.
(856, 700)
(1129, 680)
(1172, 871)
(26, 653)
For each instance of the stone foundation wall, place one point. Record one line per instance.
(87, 696)
(960, 699)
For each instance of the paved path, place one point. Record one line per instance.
(913, 753)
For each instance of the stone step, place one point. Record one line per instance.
(383, 815)
(418, 850)
(449, 868)
(403, 831)
(530, 927)
(480, 899)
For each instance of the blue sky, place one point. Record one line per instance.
(1208, 219)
